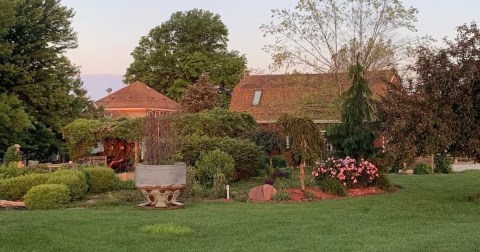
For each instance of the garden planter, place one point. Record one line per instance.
(160, 185)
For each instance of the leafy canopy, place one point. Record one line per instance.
(34, 35)
(200, 96)
(175, 54)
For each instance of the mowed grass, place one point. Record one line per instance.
(430, 213)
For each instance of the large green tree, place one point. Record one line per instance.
(327, 35)
(354, 136)
(34, 35)
(175, 54)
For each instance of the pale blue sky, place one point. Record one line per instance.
(108, 30)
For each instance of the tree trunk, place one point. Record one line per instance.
(302, 175)
(270, 156)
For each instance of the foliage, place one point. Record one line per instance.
(439, 110)
(160, 140)
(12, 155)
(15, 188)
(10, 170)
(82, 134)
(74, 180)
(212, 163)
(244, 152)
(383, 183)
(332, 185)
(200, 96)
(176, 53)
(306, 141)
(282, 195)
(326, 36)
(219, 183)
(215, 123)
(126, 184)
(191, 182)
(269, 181)
(281, 173)
(47, 196)
(347, 171)
(34, 36)
(443, 164)
(101, 179)
(14, 119)
(353, 136)
(422, 169)
(270, 140)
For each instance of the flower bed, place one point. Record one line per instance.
(348, 171)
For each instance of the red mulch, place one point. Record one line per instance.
(299, 195)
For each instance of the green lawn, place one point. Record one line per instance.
(430, 213)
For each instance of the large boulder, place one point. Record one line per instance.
(262, 193)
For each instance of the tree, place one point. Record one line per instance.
(270, 140)
(353, 136)
(175, 54)
(200, 96)
(439, 112)
(327, 35)
(306, 141)
(34, 34)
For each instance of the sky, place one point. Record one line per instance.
(109, 30)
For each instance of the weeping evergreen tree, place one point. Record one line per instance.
(354, 136)
(306, 143)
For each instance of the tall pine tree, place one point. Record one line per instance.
(354, 136)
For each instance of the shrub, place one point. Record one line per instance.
(347, 171)
(213, 162)
(101, 179)
(269, 181)
(127, 184)
(279, 161)
(74, 180)
(239, 197)
(215, 123)
(245, 153)
(281, 195)
(422, 169)
(219, 183)
(16, 188)
(10, 170)
(281, 173)
(11, 155)
(443, 164)
(191, 181)
(332, 185)
(383, 183)
(47, 196)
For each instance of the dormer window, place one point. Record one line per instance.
(256, 97)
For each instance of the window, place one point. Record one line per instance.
(256, 97)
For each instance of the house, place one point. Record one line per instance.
(266, 97)
(136, 100)
(133, 101)
(315, 96)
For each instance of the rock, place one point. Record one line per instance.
(262, 193)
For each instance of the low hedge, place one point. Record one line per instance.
(47, 196)
(16, 188)
(245, 153)
(101, 179)
(75, 181)
(211, 163)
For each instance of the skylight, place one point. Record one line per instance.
(256, 97)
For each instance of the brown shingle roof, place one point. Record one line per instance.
(137, 95)
(312, 95)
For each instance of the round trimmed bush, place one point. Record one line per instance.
(333, 186)
(214, 162)
(47, 196)
(74, 180)
(16, 188)
(422, 169)
(101, 179)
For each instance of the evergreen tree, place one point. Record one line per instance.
(353, 136)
